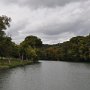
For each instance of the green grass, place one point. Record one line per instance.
(4, 64)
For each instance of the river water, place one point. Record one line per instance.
(47, 75)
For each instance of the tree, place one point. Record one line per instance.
(28, 48)
(5, 42)
(31, 54)
(33, 41)
(4, 23)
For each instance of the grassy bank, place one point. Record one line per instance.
(5, 64)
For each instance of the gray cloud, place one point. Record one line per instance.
(40, 3)
(53, 21)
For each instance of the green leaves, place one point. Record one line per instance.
(4, 22)
(28, 48)
(77, 49)
(33, 41)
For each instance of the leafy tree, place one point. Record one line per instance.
(5, 41)
(31, 54)
(4, 23)
(33, 41)
(28, 48)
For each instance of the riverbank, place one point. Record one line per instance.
(6, 64)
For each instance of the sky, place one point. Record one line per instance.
(53, 21)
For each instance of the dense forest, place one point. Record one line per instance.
(32, 48)
(77, 49)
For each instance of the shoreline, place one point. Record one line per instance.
(4, 64)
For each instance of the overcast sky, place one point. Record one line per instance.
(53, 21)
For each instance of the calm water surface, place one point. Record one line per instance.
(47, 76)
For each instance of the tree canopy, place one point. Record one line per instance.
(4, 23)
(77, 49)
(28, 48)
(33, 41)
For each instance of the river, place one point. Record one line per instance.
(47, 75)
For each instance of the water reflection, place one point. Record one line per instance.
(47, 76)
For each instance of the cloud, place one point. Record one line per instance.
(53, 23)
(40, 3)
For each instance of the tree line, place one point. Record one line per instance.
(77, 49)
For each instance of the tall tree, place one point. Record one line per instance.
(5, 41)
(28, 48)
(4, 23)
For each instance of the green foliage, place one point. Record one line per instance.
(4, 22)
(5, 42)
(31, 54)
(33, 41)
(77, 49)
(28, 48)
